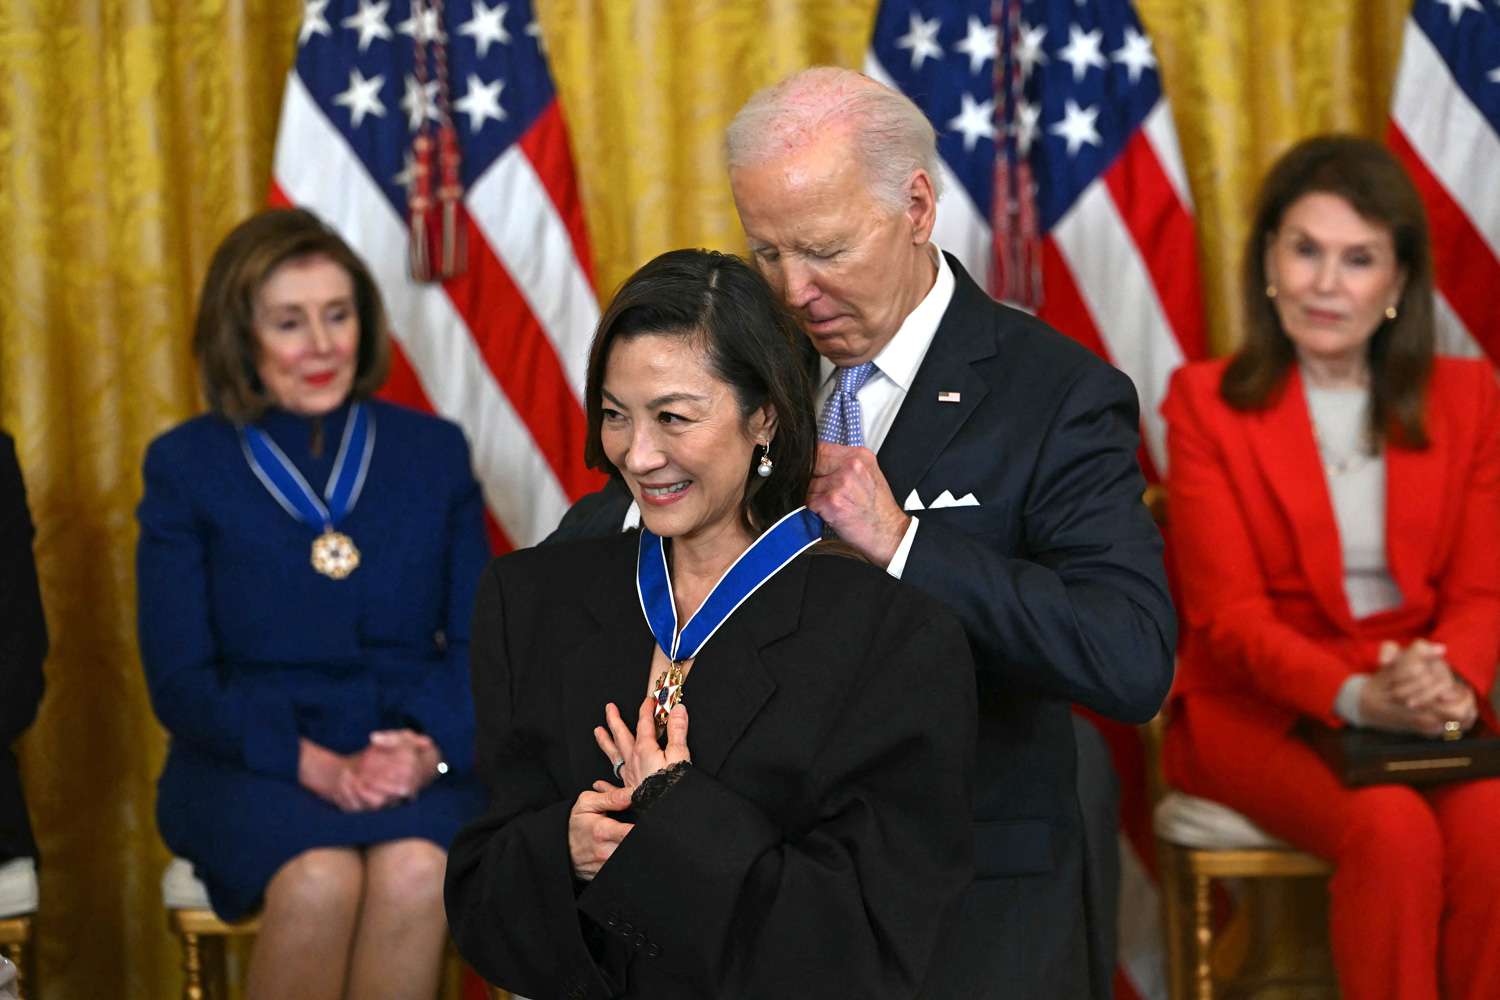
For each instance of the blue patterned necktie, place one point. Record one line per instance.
(842, 421)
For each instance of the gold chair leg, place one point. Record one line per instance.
(1203, 937)
(192, 967)
(18, 957)
(1174, 919)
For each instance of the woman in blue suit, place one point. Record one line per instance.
(307, 564)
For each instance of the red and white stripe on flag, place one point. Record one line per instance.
(1063, 178)
(500, 349)
(1445, 128)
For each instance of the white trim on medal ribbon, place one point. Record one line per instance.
(359, 413)
(274, 490)
(676, 652)
(358, 410)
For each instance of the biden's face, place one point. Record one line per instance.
(849, 265)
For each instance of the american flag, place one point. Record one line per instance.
(1445, 127)
(1065, 189)
(501, 348)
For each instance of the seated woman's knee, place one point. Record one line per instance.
(1394, 824)
(408, 870)
(322, 879)
(1469, 813)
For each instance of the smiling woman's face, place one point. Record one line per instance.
(675, 432)
(307, 335)
(1335, 273)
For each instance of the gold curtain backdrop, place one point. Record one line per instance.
(134, 133)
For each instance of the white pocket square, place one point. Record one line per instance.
(943, 499)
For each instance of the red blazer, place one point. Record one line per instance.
(1259, 569)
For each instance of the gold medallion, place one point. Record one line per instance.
(334, 554)
(667, 695)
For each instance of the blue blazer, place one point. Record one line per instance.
(247, 648)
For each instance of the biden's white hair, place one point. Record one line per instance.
(890, 134)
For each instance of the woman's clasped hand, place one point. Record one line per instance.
(593, 834)
(1415, 690)
(391, 769)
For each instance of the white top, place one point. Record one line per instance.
(1356, 486)
(896, 365)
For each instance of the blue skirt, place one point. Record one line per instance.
(238, 828)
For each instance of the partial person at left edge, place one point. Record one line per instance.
(23, 647)
(307, 566)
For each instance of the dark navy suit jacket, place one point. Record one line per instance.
(1058, 580)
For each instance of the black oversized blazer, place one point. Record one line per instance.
(23, 646)
(816, 847)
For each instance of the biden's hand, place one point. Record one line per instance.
(850, 493)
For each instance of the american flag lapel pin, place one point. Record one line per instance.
(948, 396)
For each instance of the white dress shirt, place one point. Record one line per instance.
(896, 365)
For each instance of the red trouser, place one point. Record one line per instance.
(1415, 894)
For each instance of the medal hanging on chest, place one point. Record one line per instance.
(334, 553)
(774, 549)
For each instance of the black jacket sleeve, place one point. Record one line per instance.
(509, 888)
(23, 647)
(23, 629)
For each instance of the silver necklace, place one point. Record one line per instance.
(1336, 464)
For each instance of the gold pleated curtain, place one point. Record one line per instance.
(133, 134)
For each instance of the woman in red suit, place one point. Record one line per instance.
(1336, 525)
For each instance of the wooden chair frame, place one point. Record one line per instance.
(198, 927)
(1187, 875)
(15, 944)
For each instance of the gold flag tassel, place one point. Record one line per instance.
(419, 203)
(438, 228)
(455, 258)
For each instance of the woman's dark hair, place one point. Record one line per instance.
(726, 309)
(1368, 177)
(224, 334)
